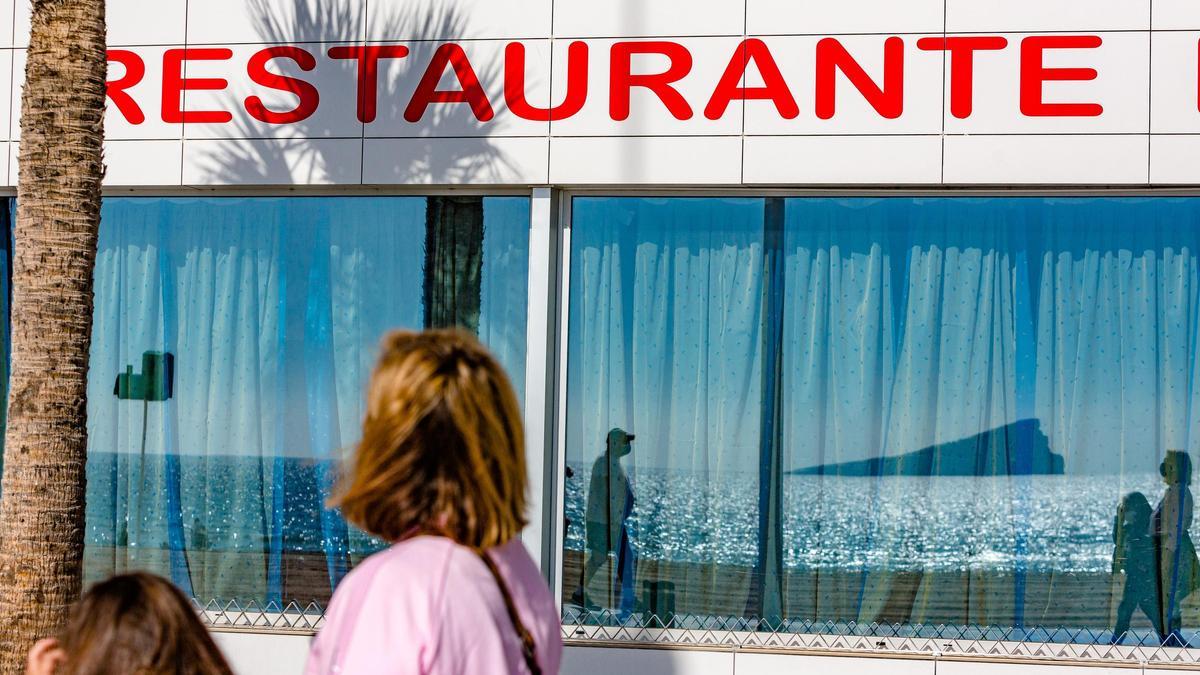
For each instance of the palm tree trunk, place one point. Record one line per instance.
(61, 168)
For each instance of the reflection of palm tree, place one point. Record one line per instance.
(453, 262)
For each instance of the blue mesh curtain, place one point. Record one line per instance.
(272, 310)
(859, 412)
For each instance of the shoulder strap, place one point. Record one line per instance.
(528, 646)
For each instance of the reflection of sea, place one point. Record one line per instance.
(945, 523)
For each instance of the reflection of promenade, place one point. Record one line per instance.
(1052, 600)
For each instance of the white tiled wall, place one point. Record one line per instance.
(820, 17)
(1147, 76)
(251, 654)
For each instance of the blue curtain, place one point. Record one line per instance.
(272, 310)
(915, 411)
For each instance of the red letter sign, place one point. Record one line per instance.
(962, 66)
(514, 84)
(174, 85)
(621, 80)
(309, 97)
(368, 73)
(832, 57)
(730, 86)
(1033, 74)
(427, 92)
(135, 70)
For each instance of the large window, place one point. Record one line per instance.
(832, 414)
(268, 312)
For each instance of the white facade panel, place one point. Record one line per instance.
(135, 105)
(136, 163)
(7, 17)
(130, 22)
(228, 22)
(272, 162)
(787, 664)
(400, 79)
(1175, 160)
(648, 160)
(1115, 101)
(990, 16)
(253, 653)
(1176, 15)
(820, 17)
(1046, 160)
(852, 113)
(799, 160)
(458, 20)
(648, 18)
(606, 661)
(333, 82)
(455, 161)
(977, 668)
(1176, 99)
(699, 62)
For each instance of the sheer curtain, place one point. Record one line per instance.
(272, 310)
(665, 335)
(952, 397)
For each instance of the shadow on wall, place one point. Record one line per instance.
(448, 146)
(1017, 449)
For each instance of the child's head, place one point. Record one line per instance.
(137, 623)
(1135, 511)
(1176, 468)
(443, 449)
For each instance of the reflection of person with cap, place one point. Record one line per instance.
(609, 504)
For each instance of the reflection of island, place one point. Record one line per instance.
(1017, 449)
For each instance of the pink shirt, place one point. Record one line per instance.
(428, 606)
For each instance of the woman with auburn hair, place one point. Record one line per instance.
(133, 623)
(439, 473)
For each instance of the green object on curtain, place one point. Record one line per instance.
(453, 262)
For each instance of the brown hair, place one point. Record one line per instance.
(138, 623)
(442, 450)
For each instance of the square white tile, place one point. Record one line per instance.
(1121, 62)
(1046, 160)
(134, 163)
(788, 664)
(912, 105)
(458, 20)
(700, 62)
(399, 80)
(977, 668)
(1175, 160)
(135, 103)
(821, 17)
(1176, 15)
(272, 162)
(1176, 73)
(130, 22)
(842, 160)
(455, 161)
(646, 160)
(602, 661)
(648, 18)
(227, 22)
(261, 111)
(1013, 16)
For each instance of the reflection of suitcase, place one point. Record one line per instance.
(658, 598)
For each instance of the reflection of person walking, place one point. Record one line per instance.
(1133, 554)
(609, 503)
(1178, 568)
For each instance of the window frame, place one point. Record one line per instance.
(989, 645)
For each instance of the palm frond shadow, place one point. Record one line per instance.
(305, 152)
